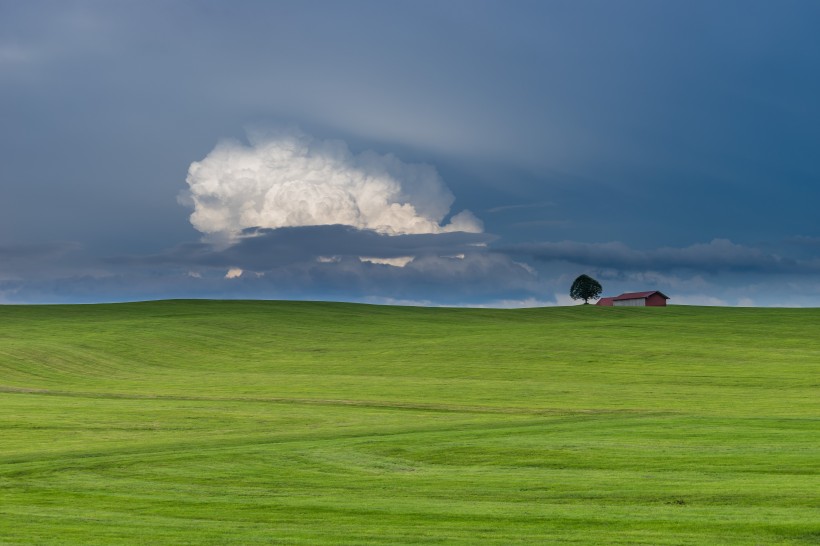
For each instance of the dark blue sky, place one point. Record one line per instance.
(653, 145)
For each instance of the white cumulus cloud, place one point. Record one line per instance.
(399, 261)
(233, 273)
(290, 179)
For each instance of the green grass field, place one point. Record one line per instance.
(197, 422)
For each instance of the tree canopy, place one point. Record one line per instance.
(585, 288)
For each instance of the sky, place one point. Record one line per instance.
(480, 153)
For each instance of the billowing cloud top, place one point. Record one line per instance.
(289, 179)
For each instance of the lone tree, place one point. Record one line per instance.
(585, 288)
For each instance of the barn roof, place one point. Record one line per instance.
(638, 295)
(604, 301)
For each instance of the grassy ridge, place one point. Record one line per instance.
(288, 422)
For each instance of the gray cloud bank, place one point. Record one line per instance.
(261, 249)
(311, 262)
(718, 255)
(326, 263)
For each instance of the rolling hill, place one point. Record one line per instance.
(250, 422)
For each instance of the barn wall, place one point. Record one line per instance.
(637, 302)
(656, 300)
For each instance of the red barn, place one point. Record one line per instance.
(652, 298)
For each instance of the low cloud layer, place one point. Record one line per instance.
(715, 256)
(289, 179)
(344, 263)
(311, 262)
(264, 249)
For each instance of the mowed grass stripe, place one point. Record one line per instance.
(195, 422)
(319, 402)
